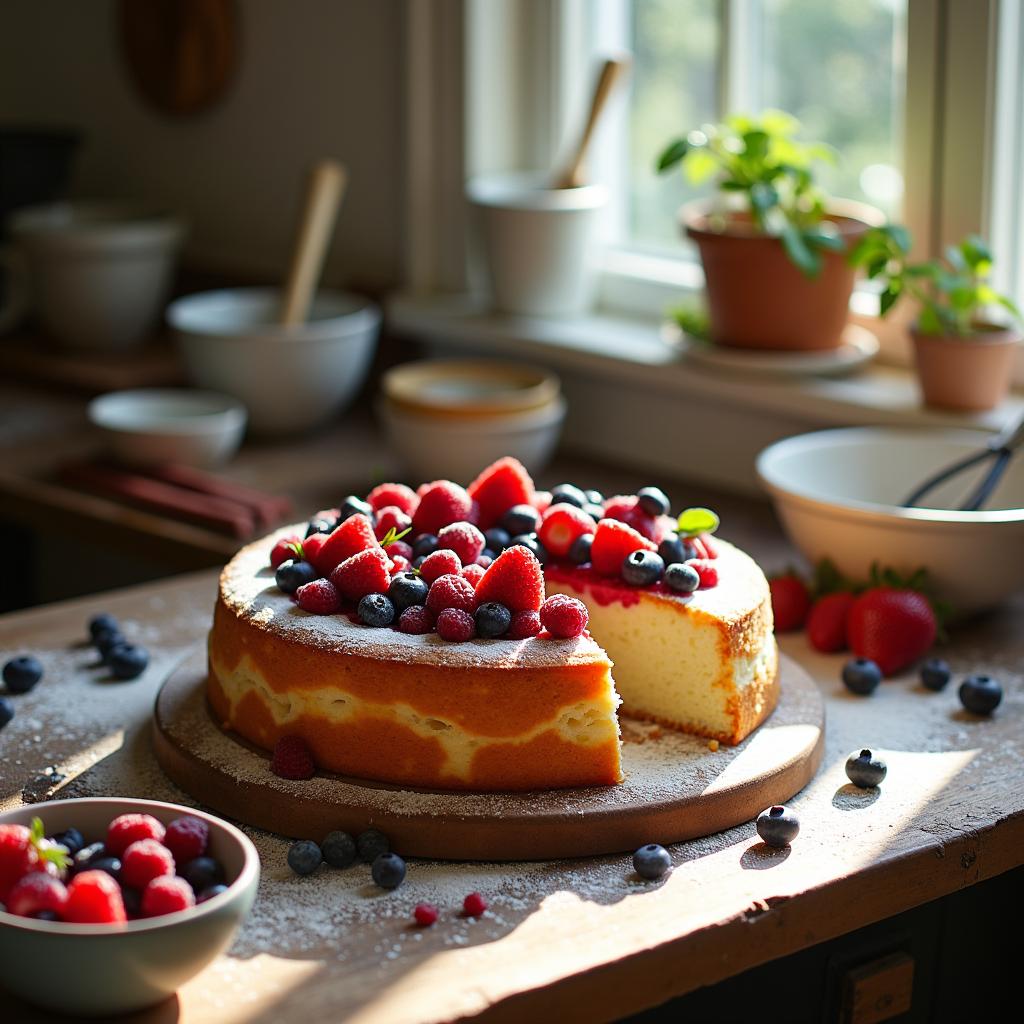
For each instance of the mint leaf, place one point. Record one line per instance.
(295, 547)
(51, 853)
(392, 535)
(695, 521)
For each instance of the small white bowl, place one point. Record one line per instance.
(150, 426)
(838, 493)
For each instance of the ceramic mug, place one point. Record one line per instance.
(97, 273)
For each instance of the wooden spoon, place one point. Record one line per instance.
(612, 70)
(324, 190)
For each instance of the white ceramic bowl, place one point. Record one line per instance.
(291, 379)
(839, 492)
(149, 426)
(100, 970)
(439, 448)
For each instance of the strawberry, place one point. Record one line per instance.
(391, 517)
(17, 856)
(399, 563)
(560, 525)
(285, 548)
(706, 570)
(613, 543)
(464, 539)
(311, 546)
(320, 597)
(891, 626)
(393, 494)
(790, 600)
(366, 572)
(500, 486)
(351, 537)
(94, 898)
(292, 759)
(710, 545)
(440, 504)
(826, 623)
(474, 573)
(644, 524)
(514, 579)
(541, 501)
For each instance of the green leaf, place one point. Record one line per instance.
(888, 298)
(821, 238)
(779, 122)
(699, 166)
(695, 521)
(1008, 304)
(763, 196)
(793, 242)
(49, 853)
(672, 154)
(898, 235)
(928, 322)
(755, 144)
(295, 547)
(975, 250)
(392, 535)
(956, 258)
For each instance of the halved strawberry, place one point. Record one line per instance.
(441, 504)
(351, 537)
(561, 525)
(514, 579)
(393, 494)
(366, 572)
(500, 486)
(613, 543)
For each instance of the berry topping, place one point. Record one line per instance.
(166, 895)
(371, 844)
(474, 905)
(891, 626)
(496, 540)
(980, 694)
(653, 501)
(474, 573)
(618, 506)
(440, 504)
(865, 770)
(320, 524)
(36, 893)
(681, 577)
(642, 568)
(94, 898)
(935, 674)
(355, 534)
(304, 857)
(21, 674)
(397, 495)
(464, 539)
(520, 519)
(424, 544)
(651, 861)
(514, 579)
(399, 549)
(777, 826)
(541, 501)
(285, 548)
(563, 616)
(826, 623)
(143, 861)
(292, 759)
(416, 620)
(320, 597)
(500, 486)
(492, 619)
(127, 661)
(613, 543)
(311, 546)
(791, 602)
(6, 711)
(862, 676)
(202, 872)
(339, 849)
(293, 574)
(455, 625)
(376, 610)
(524, 625)
(354, 506)
(391, 520)
(187, 838)
(568, 494)
(130, 828)
(424, 914)
(706, 570)
(103, 623)
(561, 525)
(407, 589)
(580, 550)
(450, 591)
(71, 839)
(532, 544)
(708, 543)
(674, 548)
(388, 870)
(368, 572)
(440, 563)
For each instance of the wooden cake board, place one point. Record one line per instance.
(675, 788)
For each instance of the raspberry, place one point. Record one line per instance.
(320, 597)
(34, 892)
(455, 625)
(541, 501)
(500, 486)
(397, 495)
(292, 759)
(438, 564)
(474, 573)
(130, 828)
(399, 563)
(365, 573)
(464, 539)
(826, 623)
(17, 856)
(285, 549)
(187, 838)
(484, 561)
(644, 524)
(514, 579)
(564, 616)
(440, 504)
(95, 898)
(698, 545)
(709, 545)
(450, 591)
(391, 517)
(399, 549)
(166, 895)
(706, 570)
(351, 537)
(524, 625)
(425, 914)
(613, 543)
(143, 861)
(474, 905)
(416, 619)
(561, 525)
(311, 546)
(618, 506)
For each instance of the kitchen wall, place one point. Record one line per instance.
(314, 78)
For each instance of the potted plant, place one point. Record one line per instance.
(772, 243)
(964, 359)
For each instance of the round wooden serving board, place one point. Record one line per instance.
(675, 787)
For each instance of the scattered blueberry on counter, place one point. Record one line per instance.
(371, 844)
(304, 857)
(980, 694)
(861, 676)
(651, 861)
(777, 826)
(388, 870)
(128, 661)
(102, 623)
(339, 849)
(22, 673)
(6, 711)
(865, 770)
(935, 674)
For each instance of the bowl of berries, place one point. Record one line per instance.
(130, 897)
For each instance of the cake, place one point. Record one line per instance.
(463, 674)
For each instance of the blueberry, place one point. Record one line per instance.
(861, 675)
(594, 497)
(497, 539)
(353, 505)
(132, 899)
(304, 857)
(674, 548)
(86, 855)
(568, 494)
(21, 674)
(865, 770)
(520, 519)
(208, 894)
(980, 694)
(111, 865)
(424, 544)
(71, 839)
(492, 619)
(45, 915)
(653, 501)
(6, 711)
(777, 826)
(376, 610)
(651, 861)
(596, 512)
(529, 540)
(642, 568)
(128, 661)
(388, 870)
(319, 526)
(103, 623)
(488, 553)
(339, 849)
(579, 552)
(406, 590)
(371, 844)
(293, 573)
(681, 578)
(418, 561)
(106, 641)
(935, 674)
(202, 872)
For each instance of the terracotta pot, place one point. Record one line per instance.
(757, 297)
(967, 373)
